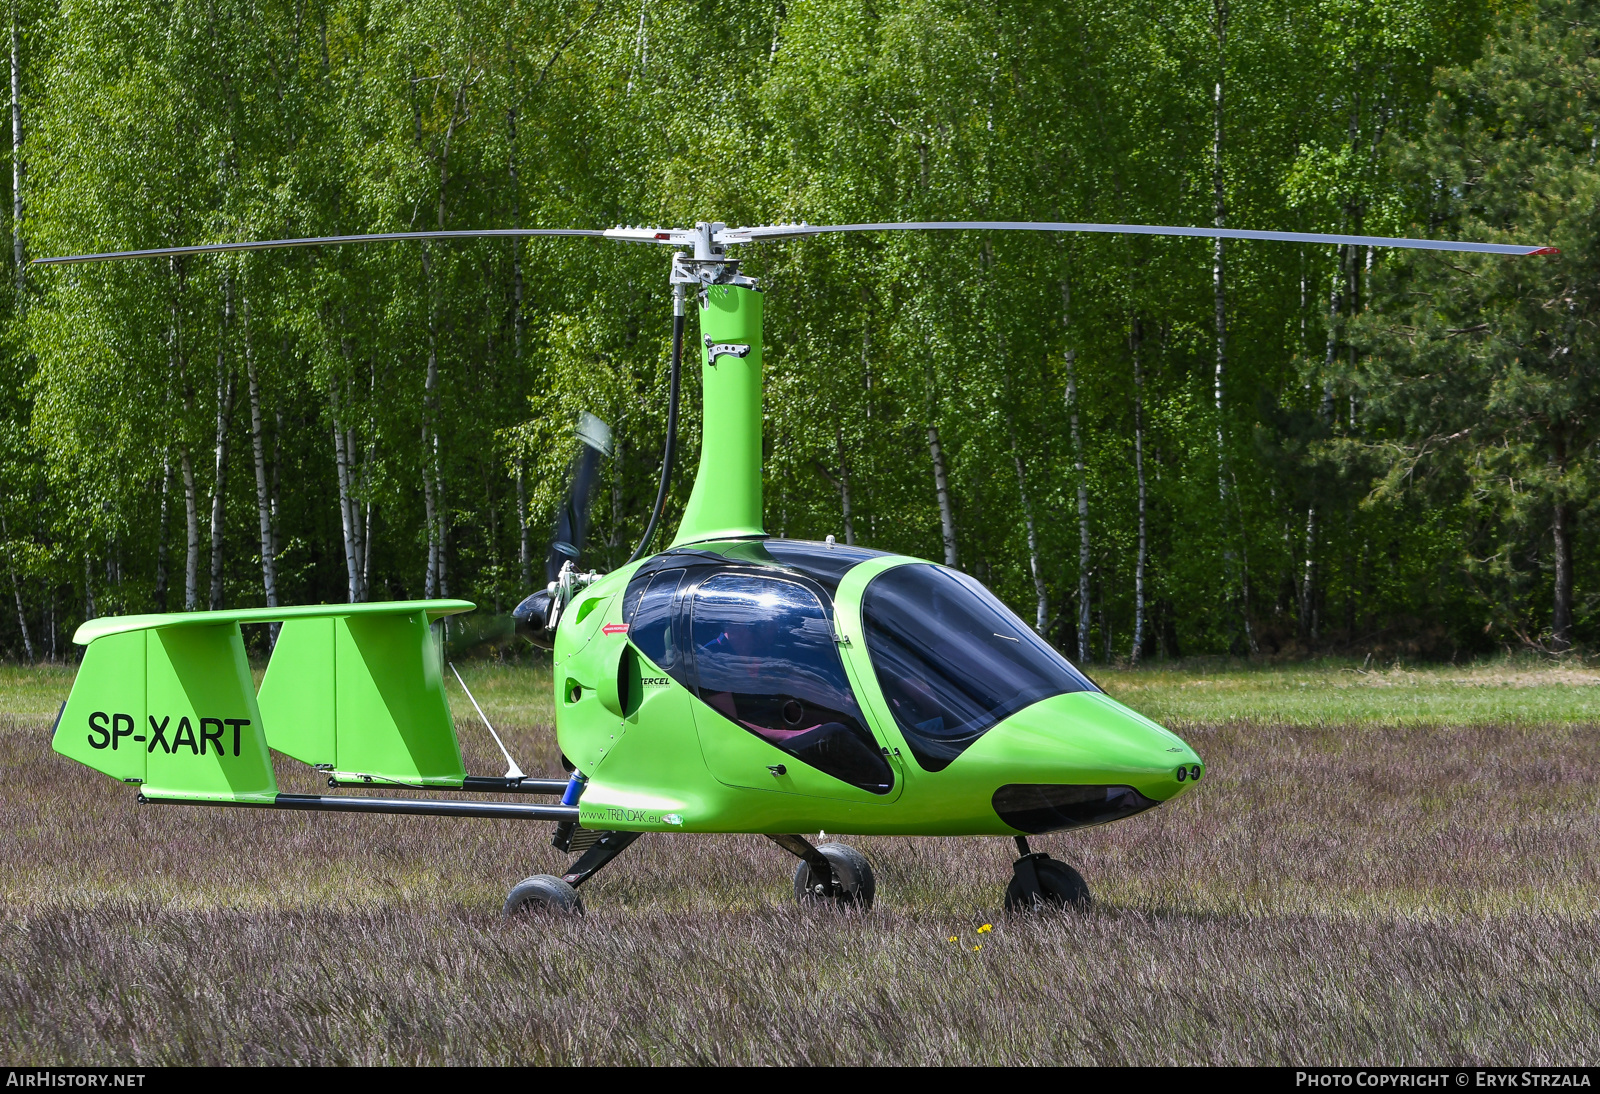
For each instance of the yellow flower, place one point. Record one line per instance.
(952, 938)
(979, 946)
(985, 929)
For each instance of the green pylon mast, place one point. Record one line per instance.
(725, 502)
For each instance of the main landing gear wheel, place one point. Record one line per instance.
(854, 885)
(1039, 881)
(543, 894)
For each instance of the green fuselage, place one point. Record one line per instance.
(664, 750)
(660, 758)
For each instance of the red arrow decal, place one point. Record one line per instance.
(614, 628)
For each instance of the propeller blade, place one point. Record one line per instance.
(572, 523)
(317, 241)
(793, 231)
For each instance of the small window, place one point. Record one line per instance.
(1037, 809)
(650, 624)
(952, 660)
(765, 659)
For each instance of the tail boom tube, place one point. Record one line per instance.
(472, 784)
(409, 807)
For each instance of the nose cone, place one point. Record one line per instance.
(1088, 740)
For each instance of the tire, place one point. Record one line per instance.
(1061, 885)
(543, 894)
(857, 887)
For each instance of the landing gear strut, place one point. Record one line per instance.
(559, 895)
(1039, 881)
(830, 874)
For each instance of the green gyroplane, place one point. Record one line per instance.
(734, 682)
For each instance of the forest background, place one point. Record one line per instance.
(1149, 447)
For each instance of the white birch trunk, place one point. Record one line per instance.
(1138, 469)
(1561, 541)
(941, 486)
(444, 525)
(191, 510)
(844, 488)
(277, 480)
(1308, 585)
(369, 456)
(524, 547)
(524, 544)
(1219, 219)
(872, 466)
(1085, 654)
(432, 481)
(269, 561)
(347, 506)
(226, 386)
(1041, 595)
(161, 536)
(430, 500)
(16, 589)
(363, 495)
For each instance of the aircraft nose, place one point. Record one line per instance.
(1089, 740)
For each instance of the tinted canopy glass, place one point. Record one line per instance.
(824, 564)
(952, 660)
(650, 617)
(765, 659)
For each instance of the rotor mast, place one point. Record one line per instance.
(725, 502)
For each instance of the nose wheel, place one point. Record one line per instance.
(1039, 881)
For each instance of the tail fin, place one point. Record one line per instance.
(363, 694)
(168, 701)
(171, 708)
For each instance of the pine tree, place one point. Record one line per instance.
(1483, 375)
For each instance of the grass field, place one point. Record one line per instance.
(1400, 865)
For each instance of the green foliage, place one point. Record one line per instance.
(404, 392)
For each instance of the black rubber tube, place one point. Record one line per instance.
(674, 377)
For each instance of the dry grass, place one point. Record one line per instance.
(1332, 894)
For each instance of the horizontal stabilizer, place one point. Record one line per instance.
(168, 701)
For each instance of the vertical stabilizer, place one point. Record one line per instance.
(173, 708)
(362, 694)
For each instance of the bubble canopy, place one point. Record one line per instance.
(952, 660)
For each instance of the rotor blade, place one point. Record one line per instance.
(572, 522)
(672, 237)
(789, 231)
(317, 241)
